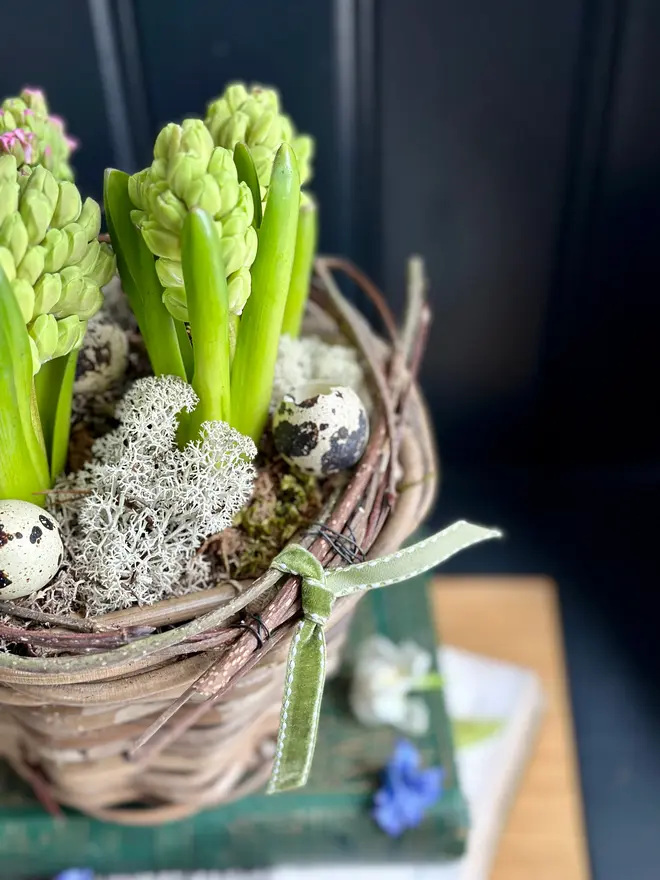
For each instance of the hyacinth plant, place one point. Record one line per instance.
(52, 269)
(215, 244)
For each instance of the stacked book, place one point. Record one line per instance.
(488, 709)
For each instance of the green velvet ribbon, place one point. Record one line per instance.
(305, 671)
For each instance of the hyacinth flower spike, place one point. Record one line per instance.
(34, 136)
(55, 266)
(250, 121)
(141, 284)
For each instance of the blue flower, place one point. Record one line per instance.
(406, 791)
(76, 874)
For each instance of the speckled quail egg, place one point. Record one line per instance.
(321, 429)
(103, 359)
(31, 548)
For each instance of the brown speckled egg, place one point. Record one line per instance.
(31, 548)
(103, 359)
(321, 429)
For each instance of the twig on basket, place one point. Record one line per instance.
(74, 641)
(76, 624)
(355, 332)
(281, 610)
(366, 285)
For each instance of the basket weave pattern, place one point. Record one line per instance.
(152, 731)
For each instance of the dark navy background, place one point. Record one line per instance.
(517, 146)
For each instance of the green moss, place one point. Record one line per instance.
(284, 502)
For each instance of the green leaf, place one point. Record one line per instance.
(208, 310)
(470, 731)
(432, 681)
(301, 274)
(253, 369)
(185, 346)
(23, 460)
(137, 270)
(54, 390)
(248, 174)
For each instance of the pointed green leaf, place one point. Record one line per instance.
(432, 681)
(54, 389)
(23, 460)
(301, 274)
(248, 174)
(470, 731)
(185, 346)
(261, 323)
(208, 310)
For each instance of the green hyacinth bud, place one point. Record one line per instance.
(70, 335)
(175, 300)
(24, 293)
(161, 242)
(43, 331)
(168, 210)
(51, 256)
(9, 191)
(238, 290)
(47, 292)
(32, 264)
(138, 185)
(169, 272)
(98, 262)
(80, 295)
(69, 205)
(189, 172)
(90, 219)
(253, 116)
(38, 200)
(56, 247)
(33, 136)
(7, 263)
(77, 237)
(14, 236)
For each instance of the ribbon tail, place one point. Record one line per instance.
(410, 561)
(301, 707)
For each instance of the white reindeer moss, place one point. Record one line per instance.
(149, 504)
(310, 359)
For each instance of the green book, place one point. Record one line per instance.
(327, 821)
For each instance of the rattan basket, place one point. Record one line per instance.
(141, 728)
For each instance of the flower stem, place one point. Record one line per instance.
(137, 270)
(261, 323)
(54, 392)
(208, 309)
(306, 239)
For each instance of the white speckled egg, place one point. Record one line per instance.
(321, 429)
(31, 548)
(103, 358)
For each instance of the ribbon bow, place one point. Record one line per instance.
(305, 670)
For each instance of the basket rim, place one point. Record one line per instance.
(326, 296)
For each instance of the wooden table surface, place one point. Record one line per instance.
(517, 619)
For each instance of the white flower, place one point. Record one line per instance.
(384, 676)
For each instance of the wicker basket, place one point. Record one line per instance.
(144, 729)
